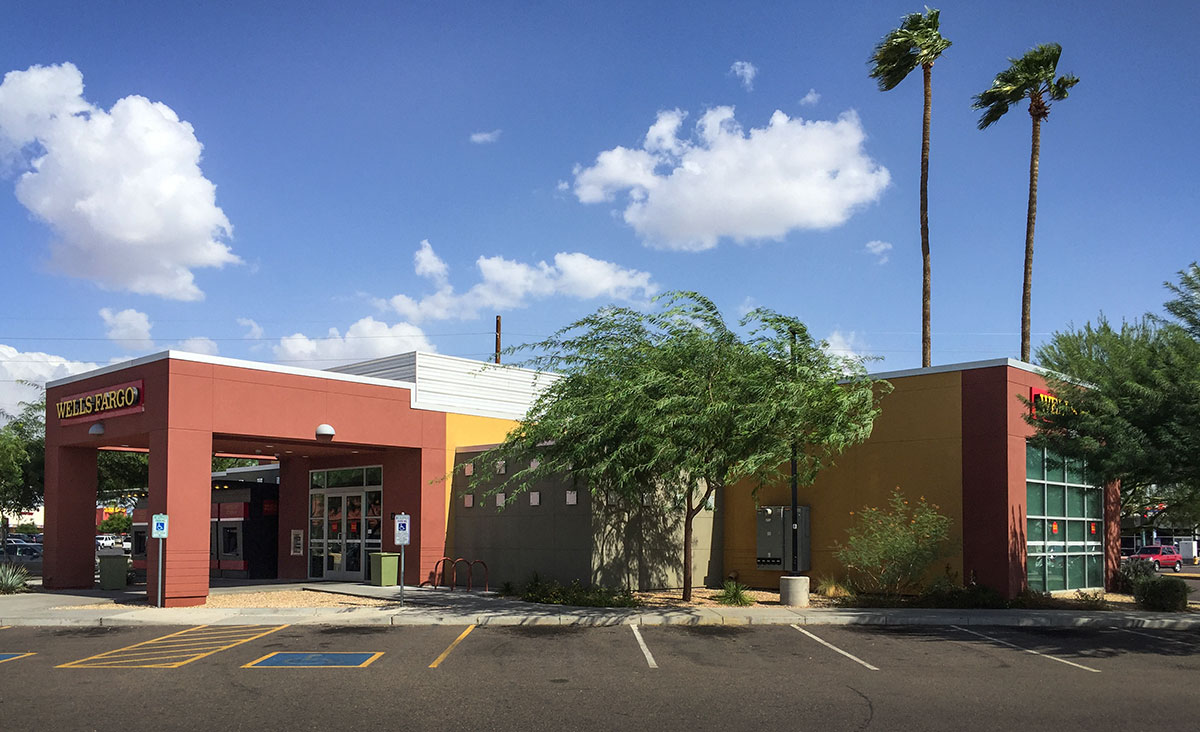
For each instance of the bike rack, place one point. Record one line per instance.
(434, 574)
(451, 565)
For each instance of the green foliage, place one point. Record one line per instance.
(1033, 600)
(13, 579)
(551, 592)
(734, 593)
(1137, 420)
(225, 463)
(507, 589)
(1165, 594)
(116, 524)
(948, 592)
(1029, 77)
(889, 550)
(26, 528)
(22, 458)
(674, 401)
(917, 42)
(829, 587)
(1091, 600)
(1131, 573)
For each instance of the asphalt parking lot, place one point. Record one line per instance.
(602, 678)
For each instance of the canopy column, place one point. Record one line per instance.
(181, 487)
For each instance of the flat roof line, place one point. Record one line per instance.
(234, 363)
(965, 366)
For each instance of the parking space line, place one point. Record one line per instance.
(438, 661)
(829, 645)
(176, 649)
(289, 659)
(1155, 637)
(1028, 650)
(6, 657)
(645, 650)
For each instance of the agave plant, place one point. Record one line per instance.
(12, 579)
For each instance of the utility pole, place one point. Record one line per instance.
(497, 339)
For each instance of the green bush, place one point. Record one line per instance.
(1169, 594)
(551, 592)
(12, 579)
(947, 592)
(889, 550)
(1131, 573)
(734, 593)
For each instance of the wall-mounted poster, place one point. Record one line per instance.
(297, 542)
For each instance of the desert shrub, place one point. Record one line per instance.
(1090, 600)
(889, 550)
(734, 593)
(947, 592)
(551, 592)
(832, 588)
(1131, 573)
(1033, 600)
(13, 579)
(1169, 594)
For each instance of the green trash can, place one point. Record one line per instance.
(114, 569)
(385, 567)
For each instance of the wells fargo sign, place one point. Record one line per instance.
(108, 401)
(1043, 404)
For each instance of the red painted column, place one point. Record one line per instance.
(181, 487)
(70, 559)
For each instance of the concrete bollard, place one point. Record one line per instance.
(793, 591)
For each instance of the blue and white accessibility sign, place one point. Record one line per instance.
(158, 526)
(402, 525)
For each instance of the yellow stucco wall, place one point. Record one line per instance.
(916, 445)
(464, 430)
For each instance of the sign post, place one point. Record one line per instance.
(158, 530)
(402, 538)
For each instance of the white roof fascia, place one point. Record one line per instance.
(967, 366)
(234, 363)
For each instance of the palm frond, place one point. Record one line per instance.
(916, 42)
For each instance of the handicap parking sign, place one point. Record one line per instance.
(402, 531)
(158, 526)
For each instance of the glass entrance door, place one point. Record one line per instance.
(344, 538)
(345, 522)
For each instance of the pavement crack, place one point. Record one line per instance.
(870, 707)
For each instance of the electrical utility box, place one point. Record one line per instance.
(1187, 549)
(775, 538)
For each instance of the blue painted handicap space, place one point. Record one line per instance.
(282, 659)
(12, 656)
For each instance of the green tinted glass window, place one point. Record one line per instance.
(1055, 471)
(1056, 500)
(375, 476)
(1056, 573)
(1095, 570)
(1075, 502)
(1035, 530)
(317, 479)
(1074, 471)
(345, 478)
(1036, 573)
(1035, 499)
(1076, 576)
(1075, 531)
(1095, 503)
(1033, 463)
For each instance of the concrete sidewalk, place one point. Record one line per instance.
(426, 606)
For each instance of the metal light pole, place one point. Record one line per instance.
(795, 501)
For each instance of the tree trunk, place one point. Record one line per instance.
(687, 547)
(1035, 111)
(926, 334)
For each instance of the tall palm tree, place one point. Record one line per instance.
(916, 42)
(1032, 77)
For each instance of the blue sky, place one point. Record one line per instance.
(401, 173)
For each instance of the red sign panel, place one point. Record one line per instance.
(106, 401)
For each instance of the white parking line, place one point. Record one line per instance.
(1028, 650)
(827, 644)
(1155, 637)
(645, 651)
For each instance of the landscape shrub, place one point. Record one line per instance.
(734, 593)
(1131, 573)
(550, 592)
(889, 550)
(13, 579)
(948, 592)
(831, 588)
(1167, 594)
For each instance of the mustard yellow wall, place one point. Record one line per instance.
(916, 445)
(463, 430)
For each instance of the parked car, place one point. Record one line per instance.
(106, 541)
(1160, 556)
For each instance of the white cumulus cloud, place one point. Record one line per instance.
(17, 367)
(880, 249)
(199, 344)
(811, 98)
(254, 331)
(687, 193)
(507, 284)
(129, 329)
(745, 71)
(121, 189)
(368, 338)
(484, 138)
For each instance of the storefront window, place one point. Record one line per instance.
(1062, 554)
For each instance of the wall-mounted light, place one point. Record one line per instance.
(325, 430)
(96, 429)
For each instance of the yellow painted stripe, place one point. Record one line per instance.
(5, 627)
(23, 655)
(438, 661)
(177, 645)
